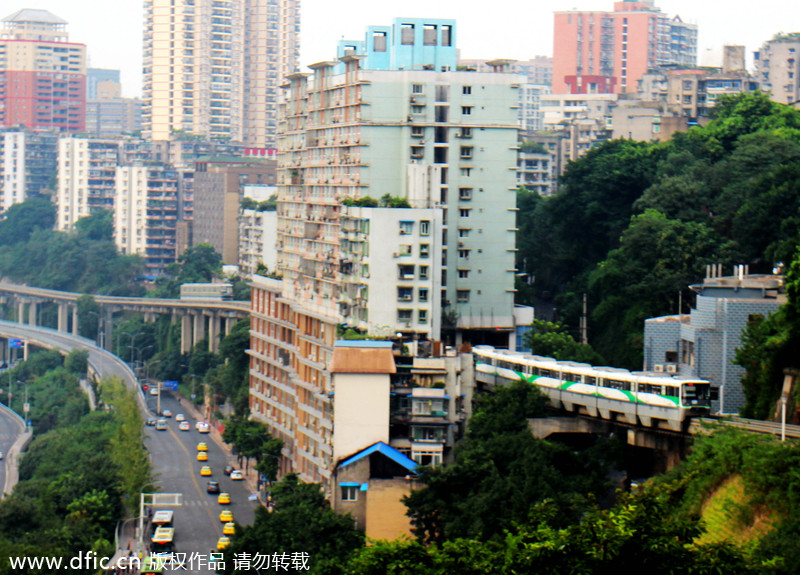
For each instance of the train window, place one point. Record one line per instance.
(590, 380)
(573, 377)
(650, 388)
(689, 392)
(617, 384)
(671, 391)
(545, 373)
(535, 370)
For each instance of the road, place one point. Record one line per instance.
(174, 457)
(172, 453)
(10, 429)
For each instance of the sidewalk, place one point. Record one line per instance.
(251, 476)
(12, 457)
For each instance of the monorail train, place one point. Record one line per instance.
(206, 292)
(643, 398)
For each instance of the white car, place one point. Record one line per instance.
(203, 427)
(153, 391)
(184, 426)
(180, 417)
(1, 455)
(236, 475)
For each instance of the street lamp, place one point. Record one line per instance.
(139, 354)
(100, 337)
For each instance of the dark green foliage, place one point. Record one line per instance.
(77, 362)
(552, 340)
(21, 220)
(98, 227)
(198, 264)
(656, 260)
(268, 205)
(500, 472)
(363, 202)
(729, 193)
(303, 521)
(251, 440)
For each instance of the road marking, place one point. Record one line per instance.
(191, 463)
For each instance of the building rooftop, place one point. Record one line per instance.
(384, 449)
(32, 15)
(363, 357)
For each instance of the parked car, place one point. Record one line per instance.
(150, 422)
(236, 475)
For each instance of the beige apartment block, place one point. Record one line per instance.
(212, 67)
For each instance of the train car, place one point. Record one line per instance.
(637, 398)
(207, 292)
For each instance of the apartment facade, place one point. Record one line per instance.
(42, 74)
(146, 212)
(87, 170)
(213, 67)
(703, 343)
(778, 68)
(457, 133)
(28, 163)
(607, 52)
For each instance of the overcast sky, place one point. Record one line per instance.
(112, 29)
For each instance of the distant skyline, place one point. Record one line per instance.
(112, 30)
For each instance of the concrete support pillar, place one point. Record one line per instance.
(107, 328)
(21, 311)
(75, 320)
(199, 327)
(213, 332)
(32, 311)
(186, 333)
(63, 318)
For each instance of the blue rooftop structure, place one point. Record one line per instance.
(408, 44)
(383, 449)
(367, 343)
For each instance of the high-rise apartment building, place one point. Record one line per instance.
(607, 52)
(396, 215)
(146, 211)
(778, 68)
(213, 67)
(87, 170)
(42, 74)
(27, 165)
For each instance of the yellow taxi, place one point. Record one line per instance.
(229, 528)
(226, 516)
(202, 456)
(202, 447)
(224, 498)
(223, 543)
(205, 471)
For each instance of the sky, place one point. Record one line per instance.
(112, 29)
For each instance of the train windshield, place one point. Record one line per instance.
(696, 393)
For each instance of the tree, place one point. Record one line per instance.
(21, 220)
(198, 264)
(303, 520)
(98, 226)
(551, 339)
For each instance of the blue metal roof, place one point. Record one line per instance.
(386, 450)
(371, 343)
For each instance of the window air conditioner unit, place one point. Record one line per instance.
(658, 368)
(672, 368)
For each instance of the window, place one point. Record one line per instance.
(406, 272)
(423, 294)
(404, 315)
(424, 228)
(364, 270)
(417, 109)
(417, 151)
(671, 356)
(466, 110)
(466, 172)
(406, 227)
(429, 34)
(464, 193)
(416, 88)
(464, 212)
(405, 294)
(422, 316)
(349, 492)
(466, 152)
(423, 272)
(463, 254)
(442, 93)
(417, 132)
(404, 250)
(407, 34)
(424, 250)
(466, 90)
(463, 232)
(462, 295)
(463, 273)
(379, 41)
(447, 35)
(465, 133)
